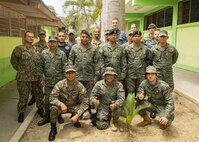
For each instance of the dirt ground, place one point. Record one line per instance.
(185, 128)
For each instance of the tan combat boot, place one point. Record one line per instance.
(113, 126)
(145, 122)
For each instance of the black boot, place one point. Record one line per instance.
(77, 124)
(45, 120)
(53, 132)
(41, 112)
(60, 119)
(20, 117)
(32, 101)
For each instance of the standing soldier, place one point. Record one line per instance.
(129, 38)
(53, 63)
(111, 56)
(62, 43)
(137, 59)
(40, 46)
(157, 93)
(68, 96)
(25, 60)
(84, 56)
(121, 36)
(164, 56)
(71, 38)
(96, 39)
(150, 40)
(108, 97)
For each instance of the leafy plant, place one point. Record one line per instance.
(130, 109)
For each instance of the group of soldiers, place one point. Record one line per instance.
(78, 77)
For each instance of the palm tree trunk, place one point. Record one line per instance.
(86, 18)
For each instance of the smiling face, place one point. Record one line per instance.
(115, 23)
(85, 39)
(70, 76)
(109, 78)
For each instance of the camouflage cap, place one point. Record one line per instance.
(130, 32)
(163, 33)
(113, 31)
(106, 32)
(42, 32)
(151, 69)
(109, 70)
(152, 26)
(135, 32)
(52, 38)
(70, 68)
(86, 32)
(71, 31)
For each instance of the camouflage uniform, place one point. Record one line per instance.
(74, 97)
(137, 59)
(26, 63)
(113, 57)
(106, 95)
(86, 64)
(53, 68)
(149, 41)
(163, 61)
(160, 98)
(40, 47)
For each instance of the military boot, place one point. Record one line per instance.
(114, 126)
(41, 112)
(60, 119)
(32, 101)
(20, 117)
(53, 132)
(145, 122)
(45, 120)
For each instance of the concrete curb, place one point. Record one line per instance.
(188, 101)
(23, 127)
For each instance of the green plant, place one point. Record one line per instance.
(130, 110)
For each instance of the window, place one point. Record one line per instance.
(188, 11)
(161, 18)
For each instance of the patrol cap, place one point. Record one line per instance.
(106, 32)
(42, 32)
(130, 32)
(152, 26)
(85, 32)
(69, 68)
(109, 70)
(163, 33)
(71, 31)
(113, 31)
(52, 38)
(151, 69)
(135, 32)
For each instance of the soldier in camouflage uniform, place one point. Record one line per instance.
(164, 56)
(25, 60)
(150, 40)
(53, 63)
(138, 57)
(40, 46)
(157, 93)
(68, 96)
(96, 39)
(111, 56)
(129, 38)
(84, 56)
(108, 97)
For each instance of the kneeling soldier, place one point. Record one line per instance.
(67, 96)
(108, 97)
(157, 93)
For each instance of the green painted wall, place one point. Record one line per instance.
(7, 73)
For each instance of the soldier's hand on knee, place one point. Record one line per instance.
(63, 107)
(163, 120)
(95, 102)
(113, 106)
(74, 118)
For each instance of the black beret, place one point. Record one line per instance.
(113, 31)
(85, 32)
(136, 32)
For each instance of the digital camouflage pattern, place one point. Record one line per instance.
(40, 47)
(53, 66)
(86, 61)
(74, 97)
(106, 95)
(149, 41)
(163, 61)
(137, 59)
(160, 98)
(113, 57)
